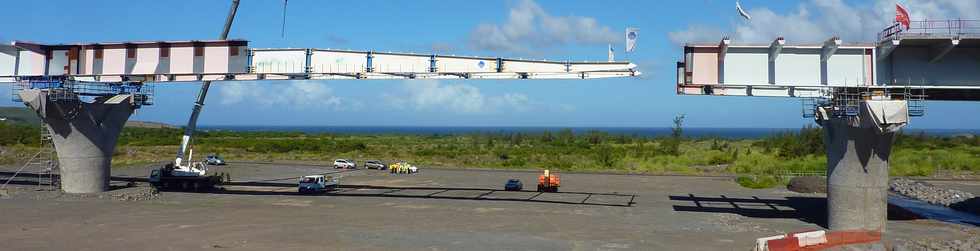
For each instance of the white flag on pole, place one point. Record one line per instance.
(631, 39)
(612, 57)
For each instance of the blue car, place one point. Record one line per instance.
(514, 185)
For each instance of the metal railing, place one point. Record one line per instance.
(790, 173)
(70, 91)
(932, 29)
(846, 101)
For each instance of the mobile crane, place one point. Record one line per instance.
(185, 174)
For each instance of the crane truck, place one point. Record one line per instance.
(187, 174)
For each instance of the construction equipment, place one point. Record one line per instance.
(548, 182)
(193, 177)
(317, 184)
(188, 174)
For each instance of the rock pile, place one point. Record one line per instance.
(134, 193)
(808, 184)
(928, 193)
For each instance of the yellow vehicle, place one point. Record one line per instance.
(403, 167)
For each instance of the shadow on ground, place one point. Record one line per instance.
(806, 209)
(277, 186)
(451, 193)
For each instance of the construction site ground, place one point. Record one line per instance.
(436, 209)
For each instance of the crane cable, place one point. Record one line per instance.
(283, 31)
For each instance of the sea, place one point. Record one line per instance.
(696, 132)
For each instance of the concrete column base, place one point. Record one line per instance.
(857, 175)
(84, 139)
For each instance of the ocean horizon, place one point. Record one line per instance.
(698, 132)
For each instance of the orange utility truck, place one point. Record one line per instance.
(548, 182)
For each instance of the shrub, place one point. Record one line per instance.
(606, 156)
(758, 182)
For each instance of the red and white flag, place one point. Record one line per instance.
(902, 16)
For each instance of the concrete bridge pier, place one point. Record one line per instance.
(84, 135)
(858, 149)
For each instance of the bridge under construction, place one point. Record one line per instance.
(861, 94)
(85, 92)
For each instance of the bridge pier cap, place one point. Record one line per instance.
(858, 148)
(84, 134)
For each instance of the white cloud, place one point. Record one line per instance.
(818, 20)
(696, 34)
(458, 98)
(530, 26)
(299, 95)
(515, 101)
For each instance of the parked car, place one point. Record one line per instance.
(316, 184)
(343, 163)
(214, 159)
(514, 185)
(375, 164)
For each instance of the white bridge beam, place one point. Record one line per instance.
(174, 61)
(942, 67)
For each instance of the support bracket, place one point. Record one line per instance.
(887, 49)
(829, 48)
(775, 48)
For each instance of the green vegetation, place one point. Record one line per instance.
(760, 161)
(19, 115)
(758, 182)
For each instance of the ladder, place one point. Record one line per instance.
(46, 162)
(43, 163)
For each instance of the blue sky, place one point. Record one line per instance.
(577, 30)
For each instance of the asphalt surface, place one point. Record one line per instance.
(432, 210)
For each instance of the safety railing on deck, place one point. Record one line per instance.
(932, 29)
(846, 101)
(61, 90)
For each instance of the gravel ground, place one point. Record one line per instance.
(926, 192)
(941, 245)
(431, 210)
(119, 193)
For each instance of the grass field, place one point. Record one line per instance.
(782, 154)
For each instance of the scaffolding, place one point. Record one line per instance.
(43, 163)
(69, 95)
(72, 92)
(845, 102)
(47, 163)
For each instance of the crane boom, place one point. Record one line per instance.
(196, 111)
